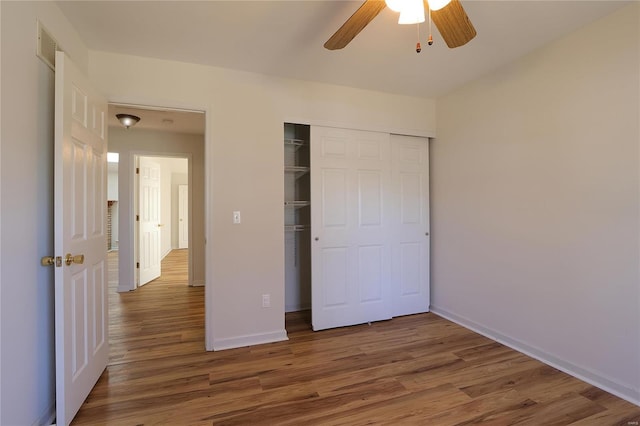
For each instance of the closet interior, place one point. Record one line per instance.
(297, 217)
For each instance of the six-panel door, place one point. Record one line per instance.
(351, 227)
(369, 226)
(81, 307)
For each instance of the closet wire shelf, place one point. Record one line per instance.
(296, 204)
(297, 170)
(296, 228)
(297, 143)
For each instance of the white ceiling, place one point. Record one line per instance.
(285, 38)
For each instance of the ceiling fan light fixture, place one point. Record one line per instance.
(127, 120)
(395, 5)
(438, 4)
(452, 21)
(412, 12)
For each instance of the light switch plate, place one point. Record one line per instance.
(236, 217)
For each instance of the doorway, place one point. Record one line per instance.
(169, 137)
(158, 221)
(160, 133)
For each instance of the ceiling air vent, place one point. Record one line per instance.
(47, 47)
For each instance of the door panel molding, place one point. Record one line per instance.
(81, 302)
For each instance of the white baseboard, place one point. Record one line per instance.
(47, 418)
(199, 283)
(249, 340)
(166, 253)
(623, 391)
(124, 289)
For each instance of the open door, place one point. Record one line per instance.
(183, 216)
(149, 230)
(81, 310)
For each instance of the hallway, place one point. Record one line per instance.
(150, 320)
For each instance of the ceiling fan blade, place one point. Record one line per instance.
(454, 24)
(356, 23)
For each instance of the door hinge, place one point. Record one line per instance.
(137, 170)
(137, 218)
(51, 261)
(138, 265)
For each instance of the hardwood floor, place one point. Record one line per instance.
(416, 370)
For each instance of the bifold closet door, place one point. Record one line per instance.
(410, 234)
(351, 227)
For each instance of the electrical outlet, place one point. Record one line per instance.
(236, 217)
(266, 301)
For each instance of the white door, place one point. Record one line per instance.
(410, 237)
(81, 309)
(350, 227)
(149, 213)
(183, 216)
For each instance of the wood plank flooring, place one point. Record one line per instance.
(414, 370)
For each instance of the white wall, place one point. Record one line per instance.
(144, 142)
(535, 204)
(112, 195)
(112, 184)
(26, 225)
(245, 116)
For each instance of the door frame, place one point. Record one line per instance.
(134, 200)
(208, 201)
(128, 276)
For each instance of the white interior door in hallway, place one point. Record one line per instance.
(80, 194)
(369, 226)
(183, 216)
(149, 206)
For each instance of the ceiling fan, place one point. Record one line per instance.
(448, 16)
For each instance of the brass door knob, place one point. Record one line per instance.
(77, 259)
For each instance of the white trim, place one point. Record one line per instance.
(209, 324)
(47, 418)
(638, 176)
(124, 288)
(209, 320)
(249, 340)
(610, 385)
(51, 113)
(162, 256)
(198, 283)
(134, 185)
(156, 108)
(133, 273)
(369, 128)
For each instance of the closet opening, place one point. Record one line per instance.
(297, 226)
(356, 216)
